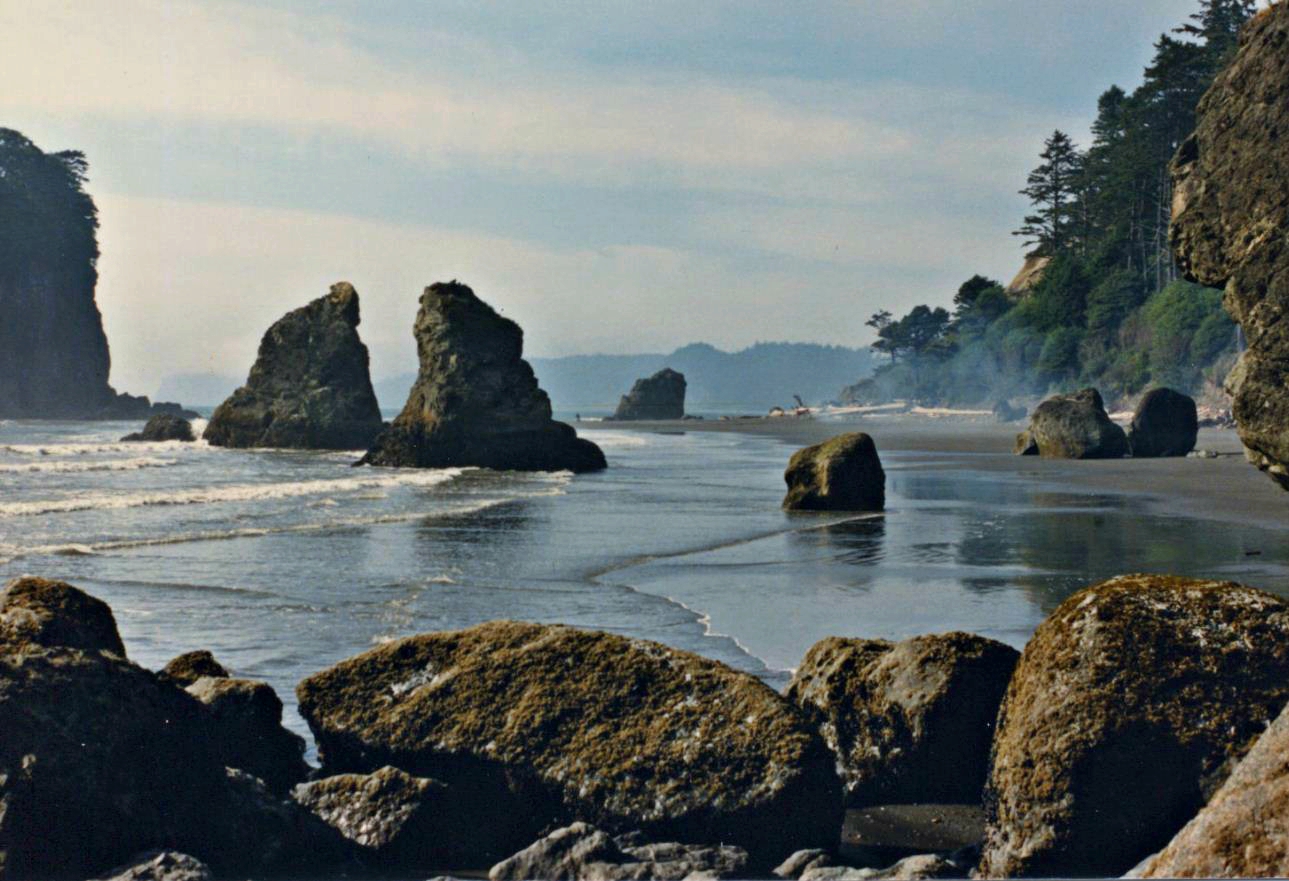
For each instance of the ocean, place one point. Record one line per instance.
(283, 563)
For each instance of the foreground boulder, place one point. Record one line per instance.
(1242, 831)
(38, 612)
(187, 668)
(909, 722)
(661, 396)
(581, 852)
(309, 387)
(1166, 423)
(841, 474)
(246, 724)
(1230, 213)
(540, 724)
(163, 427)
(1126, 709)
(165, 865)
(476, 400)
(1073, 426)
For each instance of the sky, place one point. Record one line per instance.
(617, 177)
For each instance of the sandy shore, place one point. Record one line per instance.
(1226, 487)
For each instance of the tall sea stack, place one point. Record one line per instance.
(309, 388)
(1231, 225)
(661, 396)
(476, 400)
(54, 359)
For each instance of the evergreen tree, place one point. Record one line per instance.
(1052, 190)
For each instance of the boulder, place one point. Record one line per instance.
(187, 668)
(661, 396)
(914, 868)
(1243, 831)
(476, 400)
(908, 722)
(1073, 426)
(1230, 211)
(840, 474)
(164, 427)
(1166, 423)
(581, 852)
(309, 387)
(162, 865)
(38, 612)
(1126, 710)
(246, 724)
(543, 723)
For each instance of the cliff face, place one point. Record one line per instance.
(476, 400)
(1231, 226)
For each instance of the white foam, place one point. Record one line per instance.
(616, 439)
(97, 449)
(65, 467)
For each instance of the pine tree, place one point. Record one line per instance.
(1216, 26)
(1052, 189)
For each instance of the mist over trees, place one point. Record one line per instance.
(1109, 308)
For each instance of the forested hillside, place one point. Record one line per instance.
(1105, 306)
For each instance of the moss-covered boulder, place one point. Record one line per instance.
(908, 722)
(187, 668)
(163, 427)
(246, 723)
(840, 474)
(1126, 710)
(547, 724)
(1074, 426)
(37, 612)
(1166, 423)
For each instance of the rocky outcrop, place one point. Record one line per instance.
(246, 724)
(309, 387)
(476, 400)
(581, 852)
(165, 865)
(1230, 213)
(661, 396)
(1242, 831)
(1030, 274)
(841, 474)
(1073, 426)
(37, 612)
(164, 427)
(187, 668)
(1166, 423)
(546, 724)
(909, 722)
(1126, 710)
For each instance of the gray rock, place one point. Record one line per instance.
(165, 865)
(581, 852)
(476, 400)
(914, 868)
(39, 612)
(840, 474)
(1073, 426)
(309, 388)
(661, 396)
(164, 427)
(246, 723)
(794, 866)
(1166, 423)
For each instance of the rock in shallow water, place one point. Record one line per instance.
(1166, 423)
(163, 427)
(476, 400)
(550, 723)
(840, 474)
(1124, 713)
(661, 396)
(1073, 426)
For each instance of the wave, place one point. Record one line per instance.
(615, 439)
(63, 467)
(249, 492)
(98, 449)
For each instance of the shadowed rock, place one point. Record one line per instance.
(1126, 709)
(309, 387)
(476, 400)
(1230, 213)
(1073, 426)
(166, 865)
(581, 852)
(841, 474)
(39, 612)
(1166, 423)
(246, 723)
(187, 668)
(164, 427)
(661, 396)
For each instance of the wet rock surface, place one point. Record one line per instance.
(245, 720)
(1074, 426)
(1127, 709)
(476, 400)
(908, 722)
(581, 852)
(840, 474)
(1230, 213)
(38, 612)
(163, 427)
(1166, 423)
(309, 387)
(566, 724)
(661, 396)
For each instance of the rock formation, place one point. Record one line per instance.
(581, 852)
(476, 400)
(191, 666)
(1230, 214)
(245, 721)
(909, 722)
(1126, 710)
(1073, 426)
(164, 427)
(1166, 423)
(1030, 274)
(38, 612)
(309, 387)
(165, 865)
(546, 724)
(841, 474)
(661, 396)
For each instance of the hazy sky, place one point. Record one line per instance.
(615, 176)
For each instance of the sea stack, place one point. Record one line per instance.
(476, 401)
(661, 396)
(309, 387)
(1230, 214)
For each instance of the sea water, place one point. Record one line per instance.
(283, 563)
